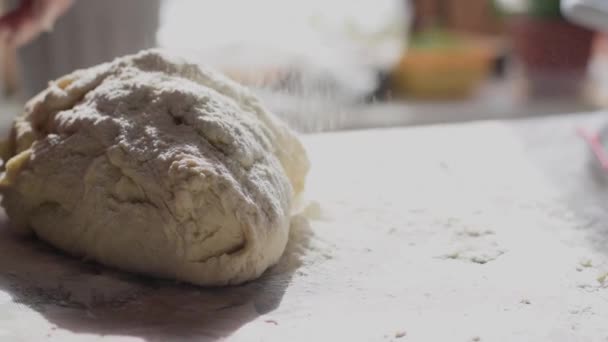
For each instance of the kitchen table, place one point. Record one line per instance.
(488, 231)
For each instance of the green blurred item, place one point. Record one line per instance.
(435, 38)
(532, 8)
(544, 8)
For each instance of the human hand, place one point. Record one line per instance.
(29, 19)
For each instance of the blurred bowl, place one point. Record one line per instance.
(442, 72)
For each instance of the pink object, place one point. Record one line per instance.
(593, 141)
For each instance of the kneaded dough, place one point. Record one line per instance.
(156, 166)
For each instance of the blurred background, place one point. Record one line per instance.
(337, 64)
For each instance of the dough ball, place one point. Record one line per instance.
(157, 166)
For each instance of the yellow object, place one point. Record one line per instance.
(450, 72)
(13, 167)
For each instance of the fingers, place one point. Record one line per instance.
(50, 10)
(15, 23)
(32, 17)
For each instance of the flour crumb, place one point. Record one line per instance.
(475, 233)
(603, 279)
(271, 321)
(313, 211)
(525, 301)
(452, 256)
(400, 334)
(480, 257)
(586, 263)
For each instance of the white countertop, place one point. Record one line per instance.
(474, 232)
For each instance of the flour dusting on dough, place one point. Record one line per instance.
(157, 166)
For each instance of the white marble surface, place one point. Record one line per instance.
(474, 232)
